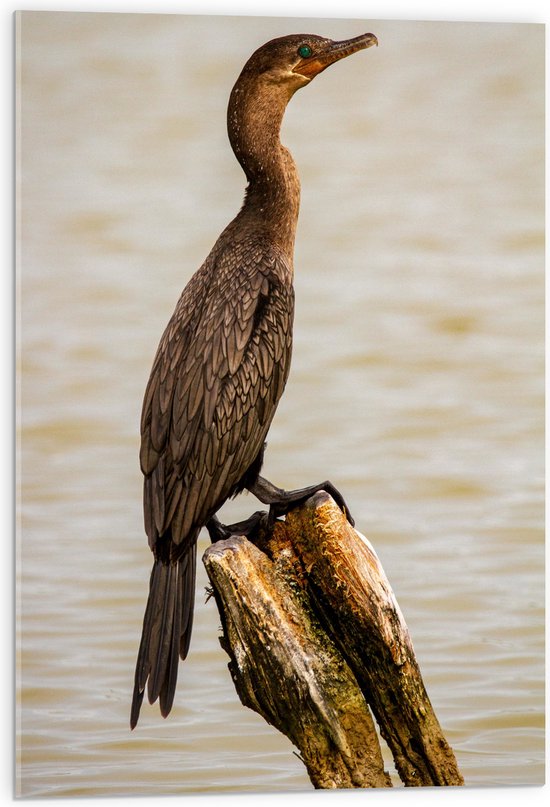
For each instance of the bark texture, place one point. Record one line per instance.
(315, 636)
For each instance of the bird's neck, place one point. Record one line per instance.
(272, 198)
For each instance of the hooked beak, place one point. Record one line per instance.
(333, 52)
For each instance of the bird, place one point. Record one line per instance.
(223, 361)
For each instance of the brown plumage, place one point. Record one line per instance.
(224, 358)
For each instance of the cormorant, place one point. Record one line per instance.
(223, 361)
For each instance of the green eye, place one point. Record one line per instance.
(304, 51)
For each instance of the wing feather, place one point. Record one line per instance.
(217, 378)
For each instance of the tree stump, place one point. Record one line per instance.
(315, 636)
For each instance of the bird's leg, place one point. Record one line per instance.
(219, 531)
(281, 501)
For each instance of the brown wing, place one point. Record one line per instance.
(219, 373)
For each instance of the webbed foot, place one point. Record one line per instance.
(219, 531)
(281, 501)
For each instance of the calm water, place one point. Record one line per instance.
(417, 382)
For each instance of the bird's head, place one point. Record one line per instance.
(266, 84)
(293, 61)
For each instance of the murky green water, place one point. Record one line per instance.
(417, 382)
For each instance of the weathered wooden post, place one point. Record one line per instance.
(315, 636)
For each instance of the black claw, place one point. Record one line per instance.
(275, 510)
(340, 501)
(217, 530)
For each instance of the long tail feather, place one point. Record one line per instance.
(166, 632)
(188, 610)
(168, 688)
